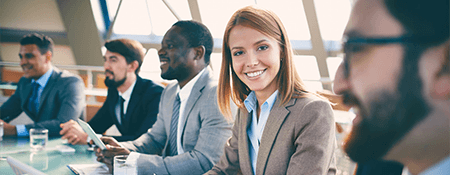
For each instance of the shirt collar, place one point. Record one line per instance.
(127, 94)
(186, 90)
(250, 102)
(42, 81)
(438, 168)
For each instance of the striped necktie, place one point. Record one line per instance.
(172, 151)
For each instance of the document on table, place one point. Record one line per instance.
(87, 169)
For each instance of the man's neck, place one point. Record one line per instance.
(46, 68)
(183, 82)
(425, 145)
(131, 78)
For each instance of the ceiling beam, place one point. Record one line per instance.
(8, 35)
(195, 10)
(316, 40)
(82, 32)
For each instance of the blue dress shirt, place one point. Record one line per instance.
(42, 81)
(256, 128)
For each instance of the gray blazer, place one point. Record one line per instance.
(299, 138)
(61, 100)
(204, 133)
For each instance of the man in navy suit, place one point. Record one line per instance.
(47, 95)
(132, 102)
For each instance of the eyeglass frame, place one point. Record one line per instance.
(376, 41)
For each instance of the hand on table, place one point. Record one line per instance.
(113, 148)
(8, 129)
(73, 132)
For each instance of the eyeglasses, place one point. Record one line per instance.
(354, 45)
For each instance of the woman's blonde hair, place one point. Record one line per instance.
(268, 23)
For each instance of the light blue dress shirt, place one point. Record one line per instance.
(256, 128)
(42, 81)
(443, 167)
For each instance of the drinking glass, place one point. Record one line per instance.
(1, 131)
(38, 138)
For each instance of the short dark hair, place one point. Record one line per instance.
(132, 50)
(197, 34)
(424, 19)
(44, 43)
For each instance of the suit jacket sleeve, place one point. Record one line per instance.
(214, 130)
(102, 119)
(12, 107)
(72, 102)
(154, 140)
(151, 100)
(229, 161)
(315, 142)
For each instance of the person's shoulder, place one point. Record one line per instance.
(149, 84)
(311, 103)
(66, 76)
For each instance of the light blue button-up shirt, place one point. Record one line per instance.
(256, 128)
(42, 81)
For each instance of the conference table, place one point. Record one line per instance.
(49, 161)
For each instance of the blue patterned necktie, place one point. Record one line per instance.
(172, 151)
(34, 101)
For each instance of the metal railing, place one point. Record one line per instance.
(88, 69)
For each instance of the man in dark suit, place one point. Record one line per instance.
(190, 132)
(132, 102)
(47, 95)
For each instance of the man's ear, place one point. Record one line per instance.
(199, 52)
(133, 66)
(441, 89)
(48, 56)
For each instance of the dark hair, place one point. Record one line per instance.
(44, 43)
(423, 19)
(197, 34)
(132, 50)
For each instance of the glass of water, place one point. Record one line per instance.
(1, 130)
(38, 138)
(122, 166)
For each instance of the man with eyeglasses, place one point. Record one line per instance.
(396, 76)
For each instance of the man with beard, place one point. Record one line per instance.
(190, 132)
(131, 103)
(396, 76)
(47, 95)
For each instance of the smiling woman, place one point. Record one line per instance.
(273, 101)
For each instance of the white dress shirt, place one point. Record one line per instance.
(126, 96)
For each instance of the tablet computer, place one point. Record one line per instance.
(91, 134)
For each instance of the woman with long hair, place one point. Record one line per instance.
(280, 127)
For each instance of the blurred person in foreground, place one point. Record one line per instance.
(396, 76)
(132, 102)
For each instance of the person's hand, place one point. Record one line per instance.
(113, 148)
(8, 129)
(73, 132)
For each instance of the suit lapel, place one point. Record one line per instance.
(276, 119)
(47, 89)
(244, 152)
(27, 90)
(114, 95)
(196, 92)
(135, 98)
